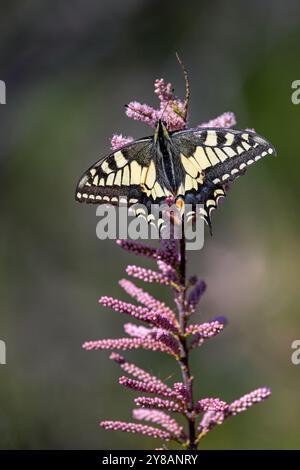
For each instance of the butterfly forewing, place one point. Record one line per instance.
(221, 155)
(120, 174)
(213, 157)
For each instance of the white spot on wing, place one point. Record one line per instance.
(211, 139)
(222, 155)
(135, 170)
(212, 156)
(120, 159)
(230, 152)
(229, 138)
(246, 146)
(201, 158)
(105, 167)
(188, 166)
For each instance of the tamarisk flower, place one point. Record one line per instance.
(137, 372)
(225, 120)
(158, 403)
(169, 341)
(169, 104)
(136, 428)
(171, 108)
(149, 301)
(146, 387)
(118, 141)
(205, 330)
(196, 294)
(161, 418)
(166, 331)
(140, 331)
(153, 317)
(148, 275)
(216, 415)
(243, 403)
(127, 344)
(182, 392)
(168, 252)
(211, 404)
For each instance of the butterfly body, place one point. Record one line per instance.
(167, 156)
(192, 166)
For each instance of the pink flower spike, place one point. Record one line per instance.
(163, 90)
(137, 372)
(136, 428)
(225, 120)
(118, 141)
(196, 294)
(170, 341)
(127, 344)
(246, 401)
(158, 403)
(209, 420)
(140, 331)
(140, 313)
(142, 112)
(139, 249)
(173, 116)
(147, 275)
(181, 392)
(205, 330)
(168, 252)
(168, 271)
(161, 418)
(211, 404)
(149, 301)
(146, 387)
(212, 418)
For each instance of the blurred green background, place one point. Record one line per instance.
(69, 68)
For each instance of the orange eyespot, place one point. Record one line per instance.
(180, 204)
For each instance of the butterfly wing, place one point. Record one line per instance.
(217, 156)
(122, 174)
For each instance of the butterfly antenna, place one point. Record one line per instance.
(187, 87)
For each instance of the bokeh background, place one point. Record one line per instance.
(69, 68)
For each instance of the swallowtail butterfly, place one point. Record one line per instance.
(193, 166)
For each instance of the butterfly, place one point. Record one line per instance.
(191, 166)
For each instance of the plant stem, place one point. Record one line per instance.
(184, 357)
